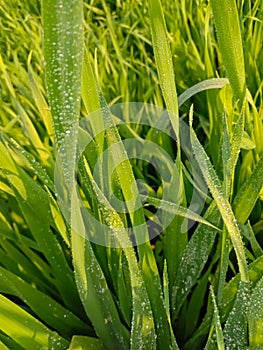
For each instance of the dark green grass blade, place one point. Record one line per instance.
(194, 258)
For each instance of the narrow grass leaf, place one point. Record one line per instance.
(213, 83)
(235, 330)
(194, 258)
(217, 323)
(164, 63)
(223, 205)
(226, 19)
(174, 209)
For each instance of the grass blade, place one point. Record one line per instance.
(222, 203)
(164, 63)
(230, 43)
(25, 329)
(255, 316)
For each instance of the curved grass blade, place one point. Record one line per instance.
(213, 83)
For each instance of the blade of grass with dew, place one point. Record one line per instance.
(174, 208)
(174, 239)
(63, 51)
(194, 258)
(46, 308)
(255, 316)
(219, 332)
(249, 192)
(79, 342)
(213, 83)
(231, 288)
(235, 330)
(26, 330)
(142, 323)
(222, 203)
(163, 59)
(126, 179)
(132, 199)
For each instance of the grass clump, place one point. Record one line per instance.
(100, 243)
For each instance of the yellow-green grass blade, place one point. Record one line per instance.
(224, 207)
(164, 63)
(46, 308)
(226, 19)
(79, 342)
(26, 330)
(40, 101)
(34, 204)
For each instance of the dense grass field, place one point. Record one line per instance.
(131, 174)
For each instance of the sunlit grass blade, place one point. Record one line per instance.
(49, 311)
(214, 83)
(79, 342)
(226, 19)
(31, 333)
(224, 207)
(164, 63)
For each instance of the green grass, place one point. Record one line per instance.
(198, 283)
